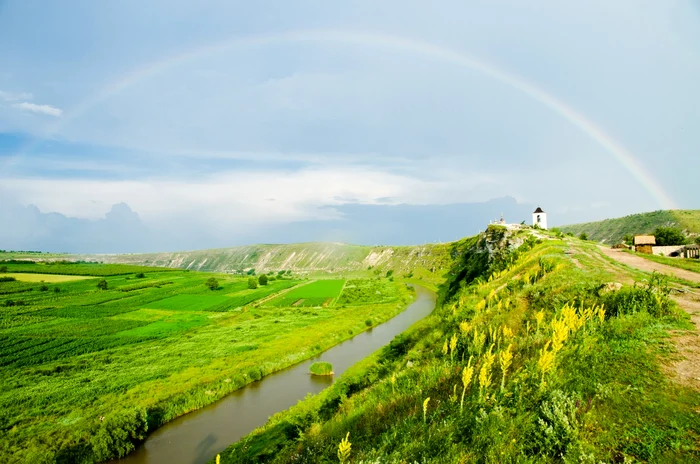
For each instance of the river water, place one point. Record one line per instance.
(198, 436)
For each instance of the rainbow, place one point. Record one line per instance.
(615, 149)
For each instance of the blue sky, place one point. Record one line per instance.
(245, 117)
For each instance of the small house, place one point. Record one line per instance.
(644, 244)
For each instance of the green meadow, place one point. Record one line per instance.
(82, 366)
(529, 358)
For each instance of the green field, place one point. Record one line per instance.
(144, 351)
(318, 293)
(71, 268)
(48, 278)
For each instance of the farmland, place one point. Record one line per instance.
(79, 363)
(49, 278)
(318, 293)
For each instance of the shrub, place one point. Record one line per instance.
(651, 297)
(3, 268)
(252, 283)
(119, 433)
(321, 368)
(556, 425)
(262, 280)
(140, 275)
(56, 290)
(212, 283)
(368, 322)
(7, 279)
(44, 288)
(583, 236)
(102, 284)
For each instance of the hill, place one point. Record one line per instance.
(304, 258)
(613, 230)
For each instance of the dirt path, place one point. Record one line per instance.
(649, 266)
(687, 369)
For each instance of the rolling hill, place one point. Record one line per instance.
(307, 258)
(613, 230)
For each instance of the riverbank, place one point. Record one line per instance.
(197, 437)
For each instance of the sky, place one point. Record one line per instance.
(217, 123)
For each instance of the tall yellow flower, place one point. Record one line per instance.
(425, 409)
(445, 348)
(485, 371)
(546, 361)
(539, 317)
(505, 360)
(453, 345)
(344, 448)
(601, 313)
(467, 375)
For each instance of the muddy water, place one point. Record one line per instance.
(197, 437)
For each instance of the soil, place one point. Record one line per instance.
(687, 369)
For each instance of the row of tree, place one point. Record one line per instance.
(667, 236)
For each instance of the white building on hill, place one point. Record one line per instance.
(539, 218)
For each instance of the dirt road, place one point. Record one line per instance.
(687, 369)
(649, 266)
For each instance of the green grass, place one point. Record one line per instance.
(367, 291)
(321, 368)
(48, 278)
(78, 269)
(318, 293)
(143, 352)
(607, 397)
(188, 302)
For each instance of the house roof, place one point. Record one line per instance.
(644, 240)
(538, 210)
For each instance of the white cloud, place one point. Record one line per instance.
(11, 97)
(42, 109)
(240, 199)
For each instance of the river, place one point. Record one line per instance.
(197, 437)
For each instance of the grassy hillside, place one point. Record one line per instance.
(307, 258)
(612, 231)
(537, 361)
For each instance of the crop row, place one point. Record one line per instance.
(52, 349)
(82, 269)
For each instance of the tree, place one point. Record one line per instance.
(628, 239)
(102, 284)
(262, 280)
(252, 282)
(212, 283)
(697, 240)
(583, 236)
(667, 236)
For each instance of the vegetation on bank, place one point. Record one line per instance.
(321, 368)
(612, 231)
(86, 372)
(531, 357)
